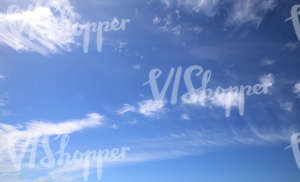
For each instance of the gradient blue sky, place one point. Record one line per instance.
(48, 78)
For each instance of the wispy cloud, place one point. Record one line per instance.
(151, 107)
(239, 11)
(166, 25)
(42, 128)
(207, 7)
(296, 89)
(194, 142)
(12, 137)
(250, 11)
(46, 27)
(145, 107)
(267, 80)
(126, 108)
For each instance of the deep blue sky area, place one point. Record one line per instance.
(56, 83)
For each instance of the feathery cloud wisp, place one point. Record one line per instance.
(45, 27)
(15, 138)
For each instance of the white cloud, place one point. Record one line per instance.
(195, 98)
(167, 23)
(2, 77)
(291, 45)
(156, 20)
(14, 138)
(176, 30)
(137, 67)
(239, 11)
(151, 107)
(146, 107)
(36, 129)
(126, 108)
(296, 89)
(226, 99)
(185, 117)
(250, 11)
(40, 128)
(267, 80)
(45, 27)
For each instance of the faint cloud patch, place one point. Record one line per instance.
(239, 11)
(196, 29)
(12, 136)
(267, 61)
(156, 20)
(286, 105)
(177, 30)
(133, 122)
(250, 11)
(291, 45)
(296, 89)
(120, 47)
(114, 126)
(2, 77)
(185, 117)
(167, 3)
(166, 25)
(137, 67)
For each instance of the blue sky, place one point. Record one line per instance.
(50, 87)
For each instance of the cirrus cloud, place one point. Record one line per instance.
(44, 27)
